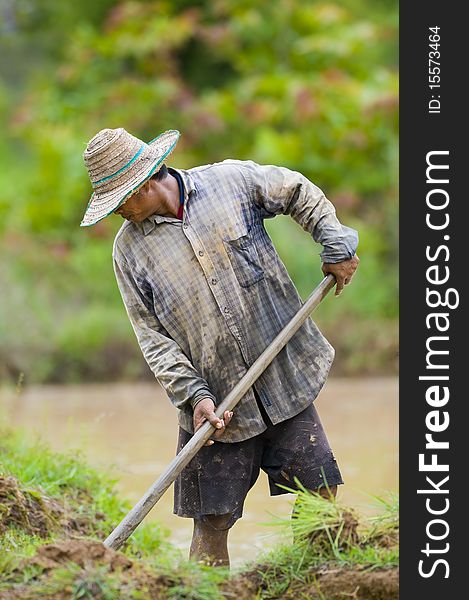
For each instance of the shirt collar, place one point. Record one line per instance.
(189, 186)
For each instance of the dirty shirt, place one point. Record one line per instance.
(207, 294)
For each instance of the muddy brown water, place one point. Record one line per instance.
(133, 427)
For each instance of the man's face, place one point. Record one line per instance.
(141, 204)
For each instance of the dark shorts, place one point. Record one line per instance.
(219, 477)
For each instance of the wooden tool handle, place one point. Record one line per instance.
(133, 519)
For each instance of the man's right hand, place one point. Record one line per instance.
(205, 411)
(343, 272)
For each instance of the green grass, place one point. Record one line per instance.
(16, 545)
(90, 582)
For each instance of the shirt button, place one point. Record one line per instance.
(201, 252)
(185, 225)
(226, 310)
(214, 281)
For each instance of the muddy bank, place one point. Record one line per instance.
(37, 514)
(325, 583)
(87, 557)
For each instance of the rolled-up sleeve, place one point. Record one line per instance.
(164, 356)
(279, 190)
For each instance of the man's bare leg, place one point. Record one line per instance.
(210, 540)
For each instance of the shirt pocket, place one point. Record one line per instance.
(244, 259)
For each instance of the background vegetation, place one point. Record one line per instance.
(309, 85)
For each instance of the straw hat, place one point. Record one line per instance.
(118, 164)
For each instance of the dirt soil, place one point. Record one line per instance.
(324, 584)
(27, 510)
(87, 554)
(36, 513)
(358, 584)
(81, 552)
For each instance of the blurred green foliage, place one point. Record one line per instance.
(311, 86)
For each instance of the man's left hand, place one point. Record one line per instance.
(205, 411)
(342, 271)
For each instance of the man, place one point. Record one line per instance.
(206, 292)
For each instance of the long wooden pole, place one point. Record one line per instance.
(133, 519)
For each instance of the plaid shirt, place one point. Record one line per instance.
(205, 296)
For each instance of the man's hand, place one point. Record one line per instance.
(205, 411)
(342, 271)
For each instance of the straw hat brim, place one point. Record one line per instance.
(99, 207)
